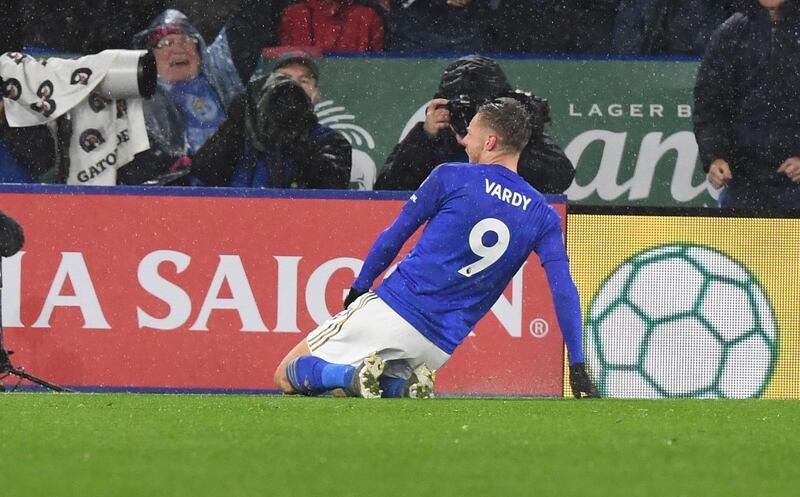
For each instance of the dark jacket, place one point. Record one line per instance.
(542, 163)
(252, 26)
(29, 153)
(251, 149)
(747, 96)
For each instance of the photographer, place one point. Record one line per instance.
(272, 139)
(466, 84)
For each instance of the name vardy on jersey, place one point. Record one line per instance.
(497, 190)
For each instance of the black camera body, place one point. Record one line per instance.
(463, 108)
(288, 108)
(277, 112)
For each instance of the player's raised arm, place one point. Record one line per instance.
(418, 209)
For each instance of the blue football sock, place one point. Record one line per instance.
(392, 387)
(338, 376)
(311, 375)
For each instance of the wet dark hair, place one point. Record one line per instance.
(510, 120)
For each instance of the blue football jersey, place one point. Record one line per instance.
(483, 223)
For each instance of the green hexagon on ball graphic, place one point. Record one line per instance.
(681, 320)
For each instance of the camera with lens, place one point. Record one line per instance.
(288, 108)
(133, 74)
(463, 108)
(277, 112)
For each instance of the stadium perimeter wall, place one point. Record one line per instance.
(183, 289)
(688, 303)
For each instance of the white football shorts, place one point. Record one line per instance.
(370, 326)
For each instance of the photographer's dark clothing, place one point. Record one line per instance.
(11, 171)
(12, 237)
(467, 83)
(542, 163)
(747, 96)
(27, 153)
(299, 165)
(760, 196)
(229, 158)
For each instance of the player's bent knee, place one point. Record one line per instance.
(282, 381)
(281, 377)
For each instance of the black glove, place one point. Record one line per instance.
(581, 383)
(352, 296)
(11, 236)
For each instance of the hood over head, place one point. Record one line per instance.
(170, 21)
(478, 77)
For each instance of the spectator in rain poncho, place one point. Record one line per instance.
(196, 84)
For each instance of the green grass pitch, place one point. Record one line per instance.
(232, 445)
